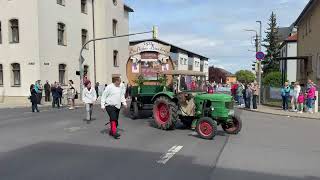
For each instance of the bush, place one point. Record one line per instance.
(273, 79)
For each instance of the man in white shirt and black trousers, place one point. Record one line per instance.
(112, 99)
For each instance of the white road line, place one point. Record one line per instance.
(171, 152)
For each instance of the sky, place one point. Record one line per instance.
(212, 28)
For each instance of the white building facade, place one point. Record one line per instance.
(289, 48)
(41, 40)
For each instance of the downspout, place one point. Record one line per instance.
(94, 44)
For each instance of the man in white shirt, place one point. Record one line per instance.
(111, 101)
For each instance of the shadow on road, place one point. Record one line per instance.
(52, 160)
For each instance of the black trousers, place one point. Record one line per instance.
(113, 113)
(35, 107)
(285, 102)
(47, 96)
(254, 101)
(248, 102)
(55, 102)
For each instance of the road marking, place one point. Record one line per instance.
(171, 152)
(74, 129)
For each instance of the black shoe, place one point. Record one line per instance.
(116, 135)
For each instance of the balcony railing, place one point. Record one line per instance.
(190, 67)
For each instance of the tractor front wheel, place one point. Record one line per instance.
(234, 127)
(206, 128)
(165, 113)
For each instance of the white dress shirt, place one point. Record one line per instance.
(89, 97)
(113, 96)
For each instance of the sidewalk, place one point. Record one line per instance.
(279, 111)
(28, 105)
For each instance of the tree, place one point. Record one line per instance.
(272, 79)
(217, 74)
(245, 76)
(272, 44)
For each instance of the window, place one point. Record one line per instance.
(0, 34)
(115, 2)
(84, 36)
(61, 34)
(62, 73)
(61, 2)
(115, 58)
(1, 75)
(185, 62)
(84, 6)
(309, 23)
(16, 74)
(181, 61)
(14, 30)
(114, 27)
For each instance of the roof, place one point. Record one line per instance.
(173, 47)
(283, 33)
(128, 8)
(184, 72)
(310, 4)
(227, 73)
(293, 38)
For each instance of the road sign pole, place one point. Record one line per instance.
(259, 63)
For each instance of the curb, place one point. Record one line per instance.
(314, 118)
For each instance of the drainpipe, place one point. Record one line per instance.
(94, 44)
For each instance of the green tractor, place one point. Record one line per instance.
(193, 107)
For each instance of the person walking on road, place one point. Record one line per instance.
(285, 94)
(47, 90)
(111, 101)
(89, 96)
(71, 94)
(34, 98)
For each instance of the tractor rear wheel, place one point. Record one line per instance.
(165, 113)
(134, 110)
(206, 128)
(234, 127)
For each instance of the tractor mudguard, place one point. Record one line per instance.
(168, 94)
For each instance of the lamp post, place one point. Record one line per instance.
(259, 62)
(81, 59)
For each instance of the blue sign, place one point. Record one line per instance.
(260, 56)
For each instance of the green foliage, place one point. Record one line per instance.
(272, 44)
(245, 76)
(272, 79)
(140, 80)
(162, 80)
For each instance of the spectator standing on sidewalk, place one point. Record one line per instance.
(285, 94)
(111, 101)
(301, 99)
(311, 95)
(240, 94)
(47, 90)
(34, 99)
(255, 91)
(249, 94)
(89, 96)
(60, 92)
(294, 96)
(55, 96)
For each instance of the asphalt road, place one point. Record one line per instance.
(59, 145)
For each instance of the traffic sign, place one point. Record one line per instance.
(260, 56)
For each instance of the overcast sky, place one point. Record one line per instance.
(213, 28)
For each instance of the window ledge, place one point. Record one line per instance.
(116, 66)
(13, 42)
(16, 86)
(62, 44)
